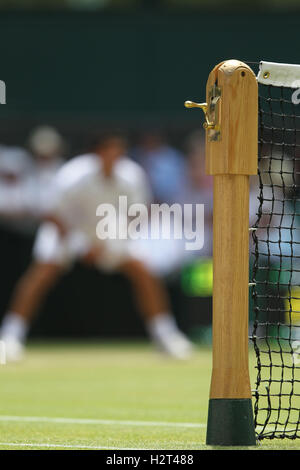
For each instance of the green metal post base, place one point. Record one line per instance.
(230, 422)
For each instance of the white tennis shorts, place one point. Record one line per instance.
(50, 247)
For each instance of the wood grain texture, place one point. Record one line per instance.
(231, 161)
(230, 377)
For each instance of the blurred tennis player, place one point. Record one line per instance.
(69, 233)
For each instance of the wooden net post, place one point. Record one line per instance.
(231, 157)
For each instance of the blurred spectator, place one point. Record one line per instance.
(15, 201)
(164, 165)
(47, 147)
(278, 231)
(26, 180)
(198, 187)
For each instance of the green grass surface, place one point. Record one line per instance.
(114, 395)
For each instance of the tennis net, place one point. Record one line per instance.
(276, 254)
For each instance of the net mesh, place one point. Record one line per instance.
(275, 210)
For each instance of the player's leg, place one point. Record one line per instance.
(33, 286)
(28, 295)
(50, 255)
(153, 303)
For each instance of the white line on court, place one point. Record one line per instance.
(110, 422)
(63, 446)
(45, 419)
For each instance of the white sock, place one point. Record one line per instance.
(162, 325)
(14, 326)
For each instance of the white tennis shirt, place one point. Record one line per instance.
(80, 186)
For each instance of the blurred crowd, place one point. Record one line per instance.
(175, 176)
(26, 176)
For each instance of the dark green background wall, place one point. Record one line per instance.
(133, 68)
